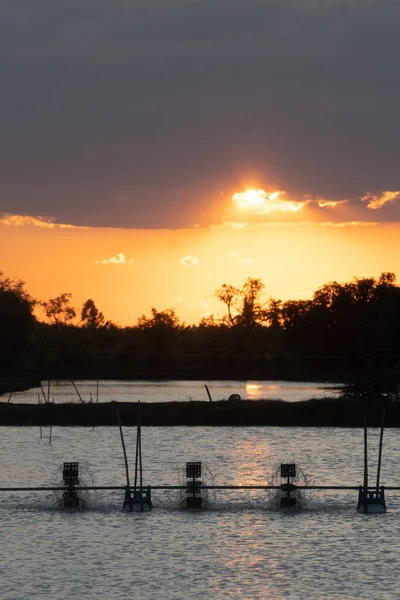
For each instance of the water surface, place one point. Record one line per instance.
(177, 391)
(242, 547)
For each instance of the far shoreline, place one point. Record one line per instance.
(316, 412)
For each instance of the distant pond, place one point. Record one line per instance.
(176, 391)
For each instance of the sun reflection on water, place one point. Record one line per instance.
(253, 391)
(251, 459)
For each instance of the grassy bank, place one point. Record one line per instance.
(311, 413)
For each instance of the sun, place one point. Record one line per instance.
(265, 203)
(250, 197)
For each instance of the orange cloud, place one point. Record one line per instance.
(120, 259)
(376, 201)
(346, 224)
(189, 261)
(26, 220)
(330, 203)
(289, 224)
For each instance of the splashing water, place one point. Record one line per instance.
(303, 499)
(86, 497)
(207, 478)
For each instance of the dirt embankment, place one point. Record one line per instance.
(311, 413)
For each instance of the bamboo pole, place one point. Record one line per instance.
(140, 447)
(123, 447)
(208, 392)
(136, 460)
(138, 455)
(91, 402)
(77, 391)
(378, 475)
(44, 395)
(40, 427)
(48, 402)
(9, 398)
(365, 462)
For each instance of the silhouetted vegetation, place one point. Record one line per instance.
(345, 330)
(312, 413)
(17, 326)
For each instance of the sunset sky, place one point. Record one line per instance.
(151, 151)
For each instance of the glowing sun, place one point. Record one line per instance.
(265, 202)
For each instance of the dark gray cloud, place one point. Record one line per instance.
(140, 112)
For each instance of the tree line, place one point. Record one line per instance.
(344, 329)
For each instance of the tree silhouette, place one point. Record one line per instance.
(59, 310)
(160, 336)
(345, 330)
(160, 320)
(91, 316)
(244, 305)
(274, 313)
(228, 294)
(16, 323)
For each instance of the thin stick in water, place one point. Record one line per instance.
(378, 475)
(44, 395)
(123, 447)
(140, 447)
(365, 462)
(91, 402)
(77, 391)
(208, 392)
(138, 457)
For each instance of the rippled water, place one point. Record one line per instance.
(177, 391)
(242, 547)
